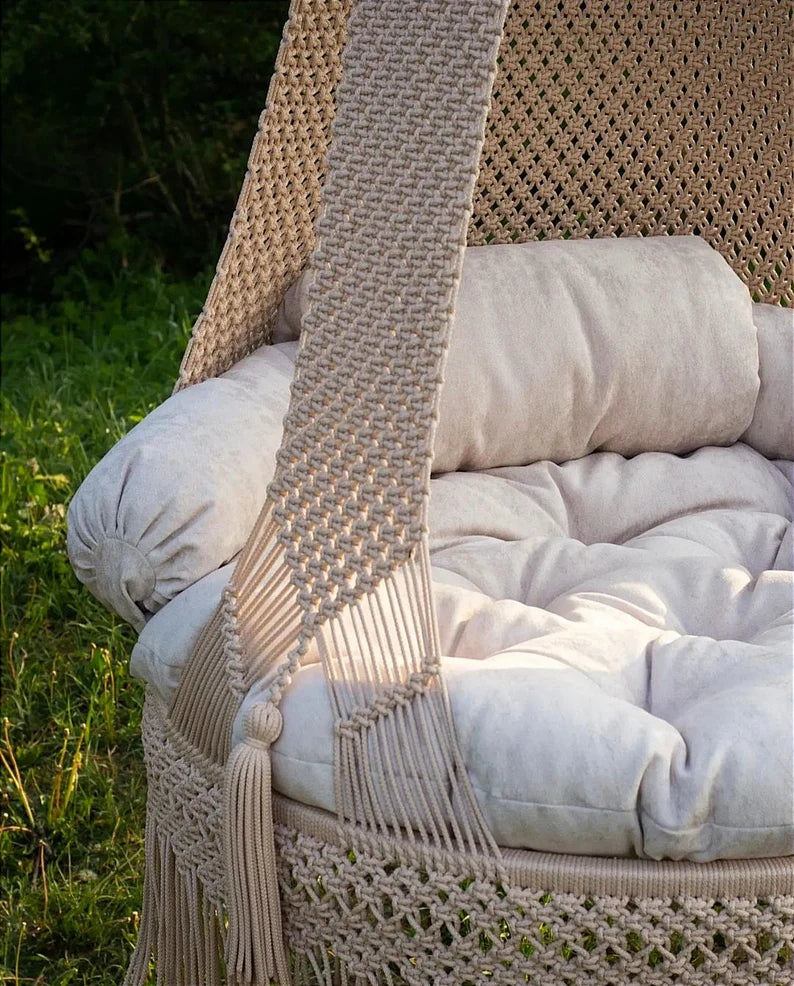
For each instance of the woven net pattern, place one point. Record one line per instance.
(272, 230)
(389, 917)
(185, 800)
(643, 118)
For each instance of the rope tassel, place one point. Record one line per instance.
(255, 952)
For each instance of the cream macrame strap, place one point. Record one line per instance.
(340, 553)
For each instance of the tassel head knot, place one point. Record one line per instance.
(262, 724)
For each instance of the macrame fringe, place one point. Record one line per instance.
(180, 928)
(255, 952)
(319, 967)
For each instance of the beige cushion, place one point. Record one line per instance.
(563, 347)
(772, 428)
(176, 498)
(290, 311)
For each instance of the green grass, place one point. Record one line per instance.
(77, 376)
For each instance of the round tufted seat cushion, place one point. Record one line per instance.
(618, 641)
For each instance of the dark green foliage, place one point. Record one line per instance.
(128, 121)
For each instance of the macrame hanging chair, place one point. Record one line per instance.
(453, 123)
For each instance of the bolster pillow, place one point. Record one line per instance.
(177, 497)
(564, 347)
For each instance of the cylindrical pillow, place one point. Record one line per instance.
(771, 431)
(562, 347)
(176, 498)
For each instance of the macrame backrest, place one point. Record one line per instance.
(643, 118)
(272, 230)
(607, 119)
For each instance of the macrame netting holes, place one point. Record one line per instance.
(272, 231)
(639, 118)
(390, 918)
(644, 118)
